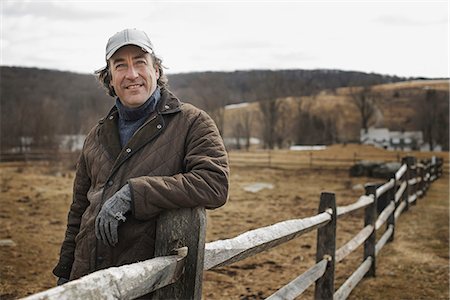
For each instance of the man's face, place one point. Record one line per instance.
(133, 75)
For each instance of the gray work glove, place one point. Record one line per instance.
(112, 212)
(62, 280)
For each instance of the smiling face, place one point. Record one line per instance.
(133, 75)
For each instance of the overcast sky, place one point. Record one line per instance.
(404, 38)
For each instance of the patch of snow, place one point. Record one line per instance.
(358, 187)
(307, 148)
(7, 243)
(238, 105)
(258, 186)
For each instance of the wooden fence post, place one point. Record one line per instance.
(421, 174)
(182, 228)
(391, 219)
(414, 176)
(326, 248)
(370, 217)
(440, 167)
(431, 171)
(428, 174)
(432, 166)
(409, 161)
(438, 163)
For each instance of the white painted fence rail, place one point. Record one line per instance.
(352, 281)
(412, 198)
(399, 210)
(354, 243)
(301, 283)
(400, 191)
(362, 202)
(224, 252)
(383, 240)
(384, 215)
(401, 172)
(385, 187)
(125, 282)
(412, 181)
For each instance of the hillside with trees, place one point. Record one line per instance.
(42, 104)
(337, 116)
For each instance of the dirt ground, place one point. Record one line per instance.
(35, 199)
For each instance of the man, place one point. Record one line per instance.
(150, 153)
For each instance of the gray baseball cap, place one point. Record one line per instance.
(128, 37)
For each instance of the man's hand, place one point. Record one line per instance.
(112, 212)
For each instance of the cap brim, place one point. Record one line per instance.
(141, 45)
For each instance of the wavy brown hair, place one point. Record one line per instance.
(104, 75)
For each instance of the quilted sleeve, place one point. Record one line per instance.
(205, 182)
(79, 204)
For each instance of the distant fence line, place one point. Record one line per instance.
(315, 159)
(38, 156)
(284, 159)
(177, 274)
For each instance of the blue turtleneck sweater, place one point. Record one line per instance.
(130, 119)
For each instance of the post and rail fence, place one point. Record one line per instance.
(182, 255)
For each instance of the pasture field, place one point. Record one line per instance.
(35, 198)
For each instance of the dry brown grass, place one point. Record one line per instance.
(35, 200)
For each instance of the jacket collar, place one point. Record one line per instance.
(109, 132)
(168, 103)
(136, 113)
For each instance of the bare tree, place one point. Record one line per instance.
(311, 129)
(45, 128)
(330, 132)
(15, 128)
(218, 115)
(209, 97)
(364, 99)
(245, 126)
(443, 128)
(432, 117)
(238, 132)
(286, 119)
(270, 112)
(303, 127)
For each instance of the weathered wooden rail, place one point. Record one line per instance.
(182, 255)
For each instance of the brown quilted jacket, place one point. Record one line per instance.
(176, 159)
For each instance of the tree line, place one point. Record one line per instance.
(284, 123)
(42, 104)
